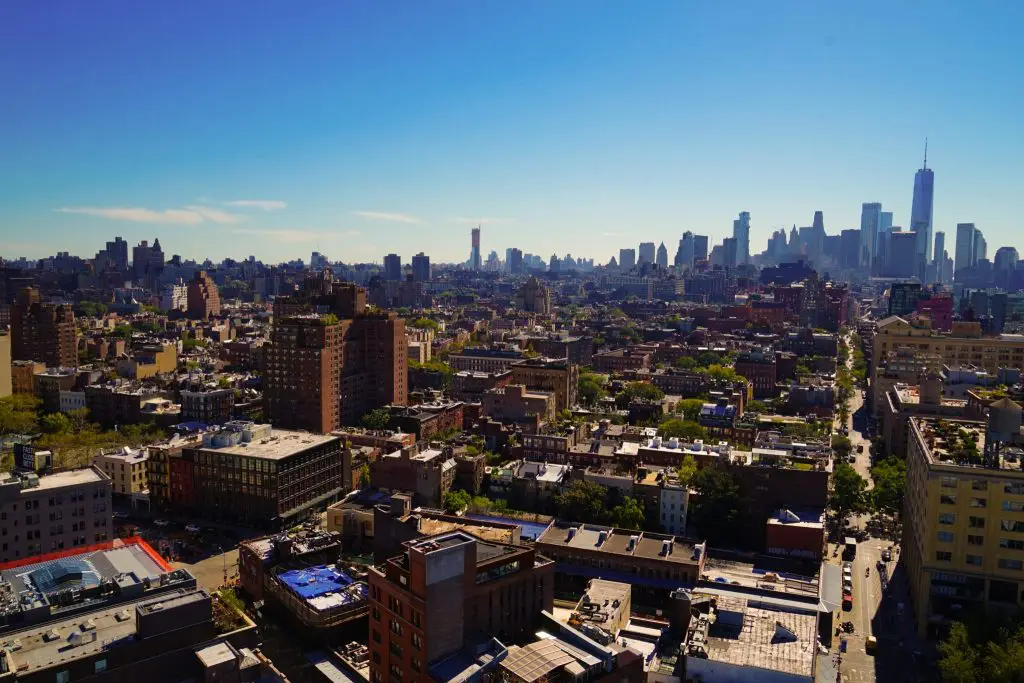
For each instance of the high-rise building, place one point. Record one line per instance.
(203, 297)
(885, 222)
(684, 254)
(870, 220)
(421, 267)
(43, 332)
(730, 252)
(940, 245)
(964, 246)
(849, 249)
(662, 258)
(741, 233)
(900, 258)
(393, 267)
(1005, 259)
(647, 252)
(374, 362)
(515, 261)
(921, 210)
(627, 259)
(117, 254)
(980, 247)
(303, 362)
(700, 247)
(475, 262)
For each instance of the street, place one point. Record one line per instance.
(882, 613)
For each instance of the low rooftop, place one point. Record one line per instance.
(651, 546)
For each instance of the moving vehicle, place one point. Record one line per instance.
(162, 522)
(886, 555)
(870, 645)
(849, 548)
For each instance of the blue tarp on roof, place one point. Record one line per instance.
(315, 581)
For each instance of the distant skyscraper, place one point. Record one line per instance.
(849, 249)
(662, 258)
(1005, 259)
(940, 246)
(980, 247)
(700, 247)
(515, 261)
(647, 252)
(921, 210)
(885, 222)
(741, 233)
(900, 260)
(627, 258)
(964, 246)
(421, 267)
(392, 267)
(684, 254)
(870, 218)
(474, 251)
(117, 252)
(730, 251)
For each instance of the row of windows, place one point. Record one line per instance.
(1010, 488)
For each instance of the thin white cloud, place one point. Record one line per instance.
(612, 234)
(486, 220)
(264, 204)
(387, 216)
(215, 215)
(287, 236)
(351, 233)
(189, 215)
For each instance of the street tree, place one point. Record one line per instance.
(847, 495)
(716, 510)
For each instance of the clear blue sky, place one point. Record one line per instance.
(569, 126)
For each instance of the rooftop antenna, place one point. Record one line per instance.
(925, 153)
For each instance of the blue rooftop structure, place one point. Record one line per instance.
(313, 582)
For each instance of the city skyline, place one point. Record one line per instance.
(628, 134)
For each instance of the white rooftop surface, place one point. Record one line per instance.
(130, 561)
(58, 480)
(544, 472)
(281, 444)
(215, 654)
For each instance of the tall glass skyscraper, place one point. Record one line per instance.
(741, 233)
(921, 210)
(870, 217)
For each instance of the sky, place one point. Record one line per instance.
(273, 129)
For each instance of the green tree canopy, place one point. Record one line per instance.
(638, 391)
(628, 514)
(847, 494)
(18, 414)
(455, 500)
(591, 387)
(715, 512)
(689, 408)
(583, 501)
(681, 429)
(687, 471)
(378, 418)
(685, 362)
(55, 423)
(425, 324)
(890, 476)
(841, 445)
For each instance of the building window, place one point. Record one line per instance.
(976, 522)
(64, 676)
(948, 482)
(416, 666)
(1011, 544)
(979, 485)
(376, 657)
(1014, 489)
(376, 635)
(396, 671)
(979, 502)
(1013, 506)
(943, 556)
(947, 499)
(976, 540)
(945, 537)
(100, 666)
(974, 560)
(396, 627)
(1014, 565)
(1005, 525)
(947, 518)
(395, 649)
(376, 614)
(417, 642)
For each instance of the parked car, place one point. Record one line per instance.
(886, 555)
(162, 523)
(847, 601)
(192, 528)
(120, 515)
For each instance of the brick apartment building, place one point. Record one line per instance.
(759, 368)
(557, 376)
(208, 406)
(43, 514)
(43, 332)
(428, 474)
(303, 362)
(372, 370)
(444, 591)
(621, 360)
(203, 297)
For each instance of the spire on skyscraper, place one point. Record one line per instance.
(925, 153)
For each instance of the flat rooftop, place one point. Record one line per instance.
(621, 542)
(57, 480)
(281, 444)
(746, 633)
(324, 587)
(81, 636)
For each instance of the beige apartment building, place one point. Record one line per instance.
(965, 345)
(43, 514)
(963, 539)
(127, 469)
